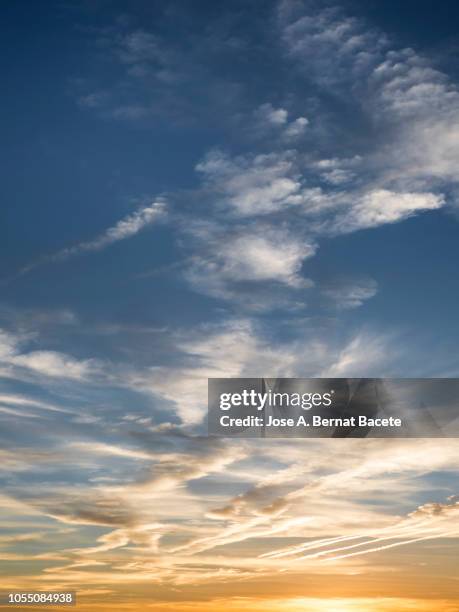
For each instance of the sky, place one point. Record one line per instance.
(211, 189)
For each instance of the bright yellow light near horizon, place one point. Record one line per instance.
(327, 605)
(307, 604)
(355, 605)
(296, 604)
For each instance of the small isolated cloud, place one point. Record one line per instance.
(350, 293)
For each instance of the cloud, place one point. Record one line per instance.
(125, 228)
(246, 348)
(350, 293)
(437, 520)
(8, 344)
(19, 363)
(333, 48)
(256, 185)
(296, 128)
(297, 196)
(268, 117)
(435, 510)
(363, 353)
(267, 254)
(382, 206)
(23, 401)
(407, 86)
(256, 265)
(310, 486)
(266, 113)
(183, 495)
(287, 221)
(52, 363)
(272, 184)
(273, 256)
(140, 46)
(336, 171)
(153, 503)
(412, 106)
(248, 297)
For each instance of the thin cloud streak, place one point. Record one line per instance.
(126, 228)
(387, 546)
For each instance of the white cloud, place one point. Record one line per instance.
(407, 102)
(365, 353)
(232, 349)
(55, 364)
(338, 176)
(240, 348)
(256, 185)
(252, 185)
(125, 228)
(8, 345)
(14, 361)
(333, 49)
(338, 171)
(296, 128)
(22, 401)
(267, 251)
(406, 85)
(382, 206)
(257, 266)
(267, 184)
(413, 107)
(267, 116)
(270, 255)
(266, 113)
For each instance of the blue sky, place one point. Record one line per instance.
(216, 189)
(89, 140)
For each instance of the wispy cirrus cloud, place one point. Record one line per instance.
(126, 228)
(350, 293)
(16, 360)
